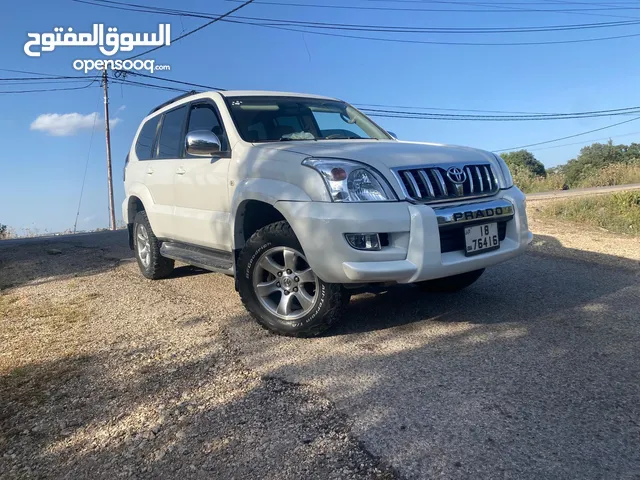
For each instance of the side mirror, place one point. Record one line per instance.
(393, 135)
(202, 143)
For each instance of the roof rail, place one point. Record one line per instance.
(169, 102)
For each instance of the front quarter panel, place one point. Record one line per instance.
(263, 190)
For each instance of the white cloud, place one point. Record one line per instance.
(67, 124)
(121, 108)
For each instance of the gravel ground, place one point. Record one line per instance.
(106, 375)
(533, 372)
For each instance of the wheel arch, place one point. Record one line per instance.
(254, 206)
(138, 199)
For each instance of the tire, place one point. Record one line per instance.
(308, 311)
(451, 284)
(153, 266)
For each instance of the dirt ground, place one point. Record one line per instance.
(104, 374)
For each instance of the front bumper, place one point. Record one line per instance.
(414, 252)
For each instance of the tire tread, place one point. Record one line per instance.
(335, 301)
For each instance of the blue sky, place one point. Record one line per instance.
(42, 173)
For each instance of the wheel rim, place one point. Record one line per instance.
(144, 245)
(284, 283)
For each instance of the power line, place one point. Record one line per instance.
(138, 74)
(365, 105)
(47, 90)
(28, 73)
(430, 42)
(48, 79)
(146, 85)
(565, 138)
(585, 141)
(460, 10)
(86, 167)
(337, 35)
(360, 27)
(384, 112)
(544, 116)
(191, 32)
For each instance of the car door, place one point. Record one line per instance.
(201, 188)
(160, 171)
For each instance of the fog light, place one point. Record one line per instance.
(363, 241)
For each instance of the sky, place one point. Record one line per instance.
(48, 138)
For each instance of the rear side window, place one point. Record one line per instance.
(147, 136)
(170, 138)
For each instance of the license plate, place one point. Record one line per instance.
(481, 238)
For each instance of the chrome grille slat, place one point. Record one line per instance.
(486, 171)
(443, 186)
(433, 183)
(480, 178)
(427, 182)
(409, 176)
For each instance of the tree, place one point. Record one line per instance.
(524, 160)
(4, 231)
(596, 156)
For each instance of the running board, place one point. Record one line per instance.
(213, 260)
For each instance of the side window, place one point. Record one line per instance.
(147, 136)
(204, 117)
(170, 139)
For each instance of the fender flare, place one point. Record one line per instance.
(140, 191)
(263, 190)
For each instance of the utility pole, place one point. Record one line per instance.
(112, 217)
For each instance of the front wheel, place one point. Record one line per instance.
(454, 283)
(279, 288)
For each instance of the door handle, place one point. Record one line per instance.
(149, 171)
(181, 171)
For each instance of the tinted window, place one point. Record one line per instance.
(274, 119)
(146, 138)
(204, 117)
(170, 139)
(336, 124)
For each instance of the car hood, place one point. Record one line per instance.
(385, 153)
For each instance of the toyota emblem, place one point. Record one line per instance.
(456, 175)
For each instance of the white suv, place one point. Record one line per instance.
(306, 200)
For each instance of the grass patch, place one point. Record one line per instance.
(529, 183)
(611, 175)
(618, 212)
(616, 174)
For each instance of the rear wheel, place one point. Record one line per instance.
(147, 249)
(279, 288)
(454, 283)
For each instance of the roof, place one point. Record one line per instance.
(236, 93)
(266, 93)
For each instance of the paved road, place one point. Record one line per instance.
(581, 192)
(534, 372)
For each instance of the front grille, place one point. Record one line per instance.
(452, 239)
(431, 184)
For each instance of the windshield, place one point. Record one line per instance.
(274, 119)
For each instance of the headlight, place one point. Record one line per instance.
(349, 181)
(506, 173)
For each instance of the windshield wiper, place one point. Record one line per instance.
(287, 139)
